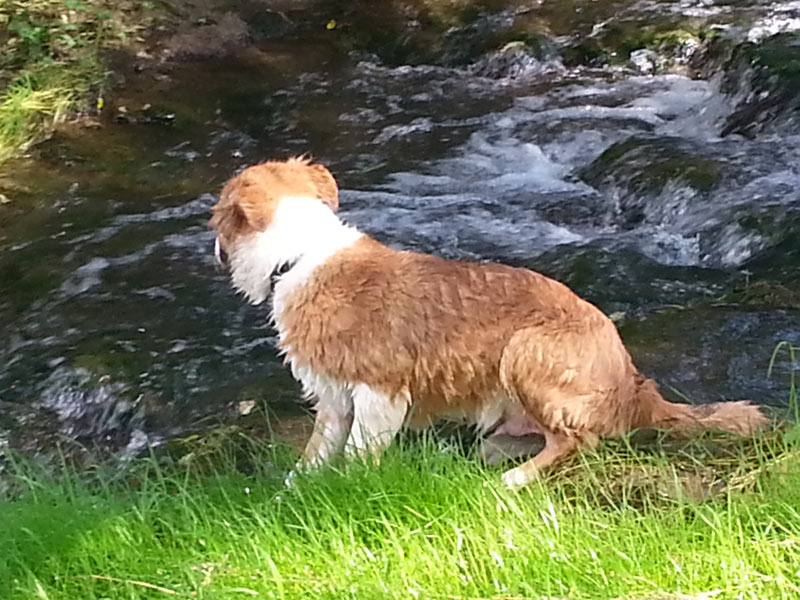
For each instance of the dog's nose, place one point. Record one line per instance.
(222, 256)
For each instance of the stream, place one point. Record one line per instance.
(664, 187)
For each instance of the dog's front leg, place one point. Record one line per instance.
(331, 426)
(377, 418)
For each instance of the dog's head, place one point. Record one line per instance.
(252, 239)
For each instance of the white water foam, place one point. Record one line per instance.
(493, 195)
(783, 17)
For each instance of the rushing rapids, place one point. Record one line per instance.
(662, 184)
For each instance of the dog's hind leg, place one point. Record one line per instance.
(574, 378)
(377, 418)
(557, 446)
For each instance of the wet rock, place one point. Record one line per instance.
(271, 21)
(204, 41)
(145, 115)
(640, 168)
(452, 34)
(749, 236)
(646, 61)
(666, 46)
(764, 295)
(666, 160)
(95, 410)
(498, 38)
(515, 59)
(624, 282)
(461, 45)
(86, 407)
(780, 264)
(763, 79)
(702, 203)
(694, 350)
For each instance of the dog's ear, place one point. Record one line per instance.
(255, 205)
(327, 190)
(247, 201)
(228, 219)
(244, 204)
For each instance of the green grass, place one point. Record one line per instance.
(35, 102)
(643, 517)
(429, 522)
(51, 60)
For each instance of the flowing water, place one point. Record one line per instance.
(671, 202)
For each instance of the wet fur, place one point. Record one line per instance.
(384, 338)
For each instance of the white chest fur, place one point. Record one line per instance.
(302, 231)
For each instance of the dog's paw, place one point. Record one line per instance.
(516, 478)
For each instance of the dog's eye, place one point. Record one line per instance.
(219, 252)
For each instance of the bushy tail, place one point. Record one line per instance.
(741, 418)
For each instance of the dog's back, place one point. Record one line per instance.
(382, 337)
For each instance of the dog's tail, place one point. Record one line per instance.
(741, 418)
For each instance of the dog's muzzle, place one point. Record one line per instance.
(222, 256)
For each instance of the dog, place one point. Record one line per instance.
(383, 338)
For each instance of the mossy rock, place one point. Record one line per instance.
(770, 74)
(778, 225)
(663, 161)
(639, 169)
(781, 262)
(415, 32)
(494, 36)
(674, 42)
(28, 283)
(764, 294)
(761, 239)
(113, 364)
(398, 31)
(698, 173)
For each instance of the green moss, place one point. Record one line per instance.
(102, 360)
(646, 167)
(699, 174)
(675, 36)
(617, 40)
(616, 151)
(768, 225)
(779, 55)
(764, 294)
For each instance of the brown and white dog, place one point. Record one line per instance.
(383, 338)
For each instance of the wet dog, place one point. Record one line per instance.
(383, 338)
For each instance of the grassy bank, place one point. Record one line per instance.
(719, 518)
(51, 63)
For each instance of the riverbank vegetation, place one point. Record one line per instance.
(52, 64)
(645, 517)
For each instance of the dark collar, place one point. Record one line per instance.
(280, 272)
